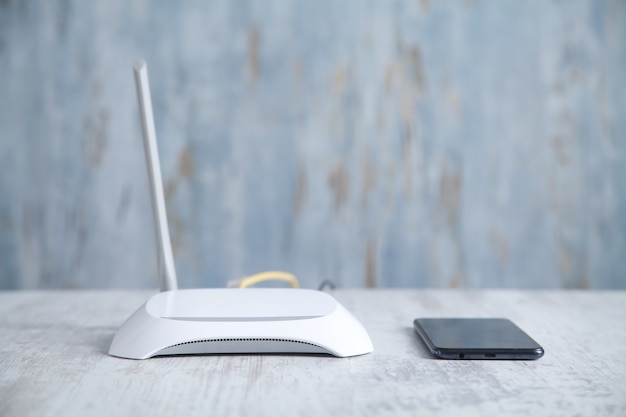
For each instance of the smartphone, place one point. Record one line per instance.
(476, 338)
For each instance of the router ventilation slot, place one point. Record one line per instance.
(243, 340)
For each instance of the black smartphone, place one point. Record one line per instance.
(476, 338)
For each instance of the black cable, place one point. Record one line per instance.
(327, 283)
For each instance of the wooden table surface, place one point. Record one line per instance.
(54, 362)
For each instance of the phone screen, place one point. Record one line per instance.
(476, 338)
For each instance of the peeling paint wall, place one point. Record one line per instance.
(372, 143)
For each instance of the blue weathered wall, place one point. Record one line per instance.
(373, 143)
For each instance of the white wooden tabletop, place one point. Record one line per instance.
(53, 361)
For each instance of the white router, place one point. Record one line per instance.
(228, 320)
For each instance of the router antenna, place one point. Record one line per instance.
(167, 270)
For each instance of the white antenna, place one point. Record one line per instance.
(167, 270)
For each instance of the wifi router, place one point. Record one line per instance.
(226, 320)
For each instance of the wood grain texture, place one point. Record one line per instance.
(53, 361)
(375, 143)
